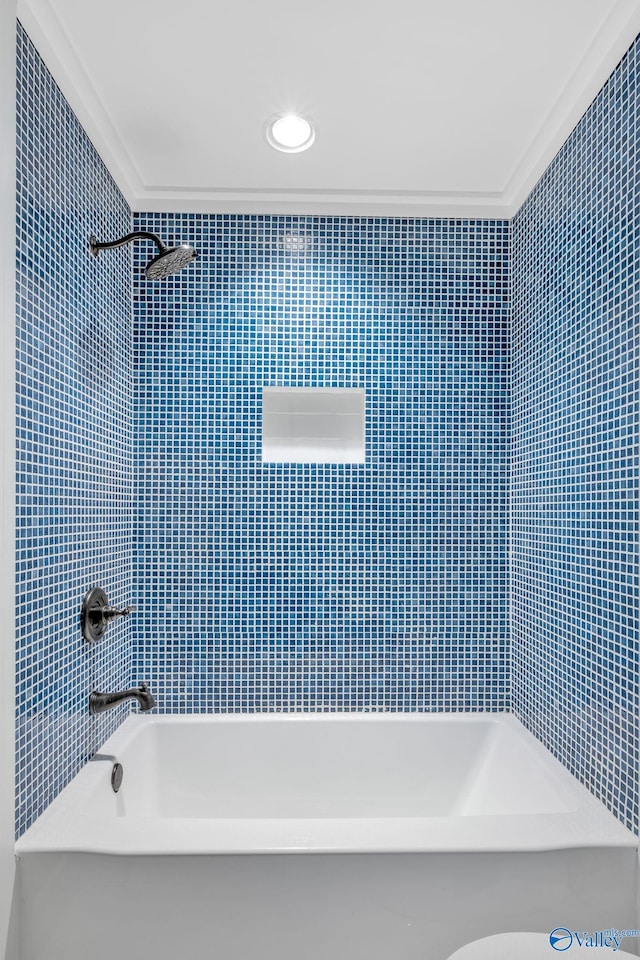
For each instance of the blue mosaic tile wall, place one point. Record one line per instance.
(301, 587)
(576, 417)
(73, 437)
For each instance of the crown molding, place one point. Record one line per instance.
(617, 33)
(65, 66)
(600, 60)
(323, 203)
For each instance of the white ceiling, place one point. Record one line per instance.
(422, 107)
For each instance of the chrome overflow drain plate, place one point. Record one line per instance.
(117, 774)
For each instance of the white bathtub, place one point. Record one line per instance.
(313, 837)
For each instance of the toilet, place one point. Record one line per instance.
(525, 946)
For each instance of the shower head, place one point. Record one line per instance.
(169, 260)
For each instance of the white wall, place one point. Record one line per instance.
(7, 462)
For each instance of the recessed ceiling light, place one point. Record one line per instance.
(290, 133)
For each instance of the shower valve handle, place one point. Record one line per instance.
(111, 613)
(97, 613)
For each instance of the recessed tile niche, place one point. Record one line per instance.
(312, 425)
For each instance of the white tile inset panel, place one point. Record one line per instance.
(313, 425)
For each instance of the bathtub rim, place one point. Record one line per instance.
(66, 827)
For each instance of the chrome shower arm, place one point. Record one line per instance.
(96, 245)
